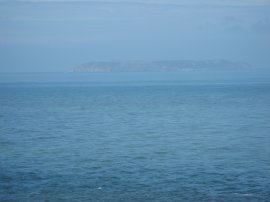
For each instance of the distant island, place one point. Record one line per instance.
(160, 66)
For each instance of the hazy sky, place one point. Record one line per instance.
(57, 35)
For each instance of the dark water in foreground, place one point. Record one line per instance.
(182, 142)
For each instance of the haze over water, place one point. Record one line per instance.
(58, 35)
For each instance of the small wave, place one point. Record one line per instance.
(244, 194)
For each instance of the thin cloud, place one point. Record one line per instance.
(158, 2)
(56, 19)
(261, 26)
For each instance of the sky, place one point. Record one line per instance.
(58, 35)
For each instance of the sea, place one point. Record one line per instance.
(124, 137)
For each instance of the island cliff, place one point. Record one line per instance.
(160, 66)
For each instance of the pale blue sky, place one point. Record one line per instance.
(57, 35)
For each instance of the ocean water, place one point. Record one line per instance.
(158, 140)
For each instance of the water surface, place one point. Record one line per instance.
(120, 141)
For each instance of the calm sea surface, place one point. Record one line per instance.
(163, 140)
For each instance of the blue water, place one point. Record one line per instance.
(161, 141)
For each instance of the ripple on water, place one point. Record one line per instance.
(174, 143)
